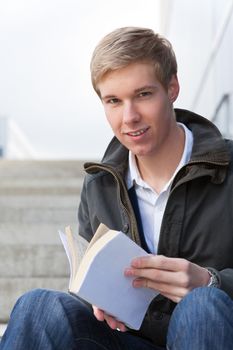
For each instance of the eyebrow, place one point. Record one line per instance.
(143, 88)
(107, 97)
(146, 87)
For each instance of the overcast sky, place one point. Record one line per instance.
(45, 86)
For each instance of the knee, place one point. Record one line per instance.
(39, 301)
(32, 296)
(201, 308)
(36, 296)
(30, 299)
(200, 316)
(204, 301)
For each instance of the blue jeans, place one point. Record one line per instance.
(50, 320)
(203, 320)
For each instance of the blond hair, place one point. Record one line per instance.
(133, 44)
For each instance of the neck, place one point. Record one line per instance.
(157, 169)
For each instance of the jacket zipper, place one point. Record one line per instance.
(125, 203)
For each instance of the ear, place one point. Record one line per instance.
(173, 88)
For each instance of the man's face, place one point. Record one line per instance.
(139, 109)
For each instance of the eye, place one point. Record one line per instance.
(144, 93)
(113, 101)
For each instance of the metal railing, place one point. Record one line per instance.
(13, 142)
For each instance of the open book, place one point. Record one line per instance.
(100, 280)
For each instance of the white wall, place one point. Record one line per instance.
(201, 34)
(46, 47)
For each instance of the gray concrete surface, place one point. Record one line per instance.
(37, 198)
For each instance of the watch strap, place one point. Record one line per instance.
(215, 280)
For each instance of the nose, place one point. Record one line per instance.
(130, 113)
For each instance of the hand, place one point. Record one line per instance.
(111, 321)
(172, 277)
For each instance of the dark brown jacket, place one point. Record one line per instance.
(198, 220)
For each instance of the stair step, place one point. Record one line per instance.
(12, 288)
(29, 169)
(37, 198)
(33, 261)
(40, 201)
(2, 329)
(40, 215)
(55, 191)
(33, 233)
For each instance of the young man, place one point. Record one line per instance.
(166, 180)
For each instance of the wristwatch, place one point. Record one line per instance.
(214, 278)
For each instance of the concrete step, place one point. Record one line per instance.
(33, 233)
(33, 261)
(54, 188)
(2, 329)
(12, 288)
(38, 215)
(37, 198)
(38, 181)
(47, 169)
(40, 177)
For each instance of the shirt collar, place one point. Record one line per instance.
(133, 176)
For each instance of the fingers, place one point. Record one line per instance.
(172, 291)
(99, 314)
(145, 276)
(160, 262)
(173, 271)
(154, 275)
(114, 324)
(171, 277)
(111, 321)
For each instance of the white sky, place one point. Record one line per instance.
(45, 86)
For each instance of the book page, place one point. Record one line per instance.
(71, 248)
(103, 284)
(65, 245)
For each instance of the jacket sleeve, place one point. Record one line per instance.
(85, 229)
(226, 278)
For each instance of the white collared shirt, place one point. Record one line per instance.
(151, 204)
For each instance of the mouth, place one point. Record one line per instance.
(137, 132)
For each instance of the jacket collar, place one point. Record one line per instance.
(208, 147)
